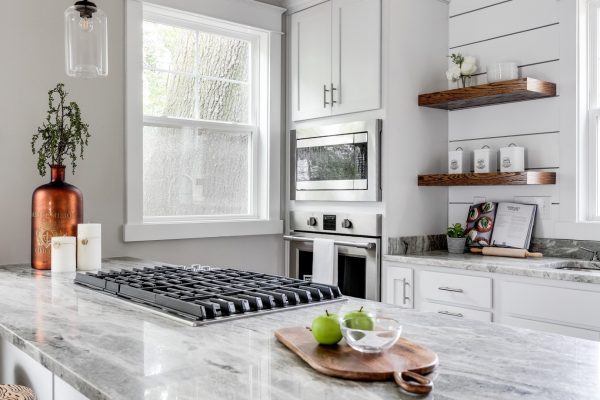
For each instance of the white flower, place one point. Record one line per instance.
(468, 68)
(470, 60)
(453, 74)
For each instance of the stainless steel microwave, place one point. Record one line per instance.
(339, 162)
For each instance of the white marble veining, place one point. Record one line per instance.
(544, 267)
(109, 349)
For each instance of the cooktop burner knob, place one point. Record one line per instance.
(312, 221)
(347, 224)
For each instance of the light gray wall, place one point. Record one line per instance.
(541, 37)
(32, 46)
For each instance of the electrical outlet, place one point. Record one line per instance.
(544, 204)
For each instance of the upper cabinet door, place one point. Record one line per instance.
(311, 62)
(356, 65)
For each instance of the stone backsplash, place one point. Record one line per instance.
(564, 248)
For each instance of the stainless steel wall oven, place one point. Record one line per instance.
(357, 237)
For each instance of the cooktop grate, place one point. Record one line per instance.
(204, 295)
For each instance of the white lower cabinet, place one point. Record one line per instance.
(556, 306)
(397, 287)
(456, 312)
(18, 368)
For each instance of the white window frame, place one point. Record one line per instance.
(264, 126)
(589, 111)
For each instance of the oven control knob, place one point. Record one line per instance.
(347, 224)
(312, 221)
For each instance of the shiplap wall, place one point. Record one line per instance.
(526, 32)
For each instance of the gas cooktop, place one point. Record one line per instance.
(202, 295)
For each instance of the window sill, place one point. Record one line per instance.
(197, 230)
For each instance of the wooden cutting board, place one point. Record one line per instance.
(341, 361)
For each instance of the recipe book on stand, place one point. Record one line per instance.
(500, 224)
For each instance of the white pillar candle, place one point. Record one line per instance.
(63, 254)
(89, 247)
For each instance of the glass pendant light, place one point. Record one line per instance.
(86, 40)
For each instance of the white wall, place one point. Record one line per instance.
(32, 51)
(531, 33)
(413, 139)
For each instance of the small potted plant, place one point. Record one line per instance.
(456, 239)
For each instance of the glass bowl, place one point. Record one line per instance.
(371, 335)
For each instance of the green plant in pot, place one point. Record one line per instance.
(57, 207)
(456, 239)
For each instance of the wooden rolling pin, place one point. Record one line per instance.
(504, 252)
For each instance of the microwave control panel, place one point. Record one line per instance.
(329, 222)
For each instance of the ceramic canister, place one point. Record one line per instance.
(484, 160)
(458, 161)
(512, 158)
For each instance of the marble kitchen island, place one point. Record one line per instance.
(106, 348)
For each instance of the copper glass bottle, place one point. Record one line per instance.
(56, 209)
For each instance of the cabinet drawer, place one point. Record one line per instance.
(552, 328)
(460, 289)
(552, 304)
(456, 312)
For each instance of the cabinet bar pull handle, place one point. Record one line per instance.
(333, 89)
(449, 289)
(459, 315)
(325, 102)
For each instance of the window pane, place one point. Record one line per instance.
(202, 172)
(224, 101)
(169, 48)
(223, 57)
(169, 95)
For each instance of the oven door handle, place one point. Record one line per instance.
(368, 246)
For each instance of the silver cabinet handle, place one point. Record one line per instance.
(405, 298)
(333, 89)
(449, 289)
(459, 315)
(325, 102)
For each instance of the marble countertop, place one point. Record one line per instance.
(544, 267)
(109, 349)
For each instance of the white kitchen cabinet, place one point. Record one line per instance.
(18, 368)
(474, 291)
(397, 285)
(336, 58)
(556, 306)
(64, 391)
(551, 303)
(356, 61)
(311, 62)
(456, 312)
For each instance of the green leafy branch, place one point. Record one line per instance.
(62, 135)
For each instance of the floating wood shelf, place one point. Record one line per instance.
(488, 179)
(493, 93)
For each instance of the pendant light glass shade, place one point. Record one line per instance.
(86, 41)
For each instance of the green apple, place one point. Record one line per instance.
(326, 329)
(359, 319)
